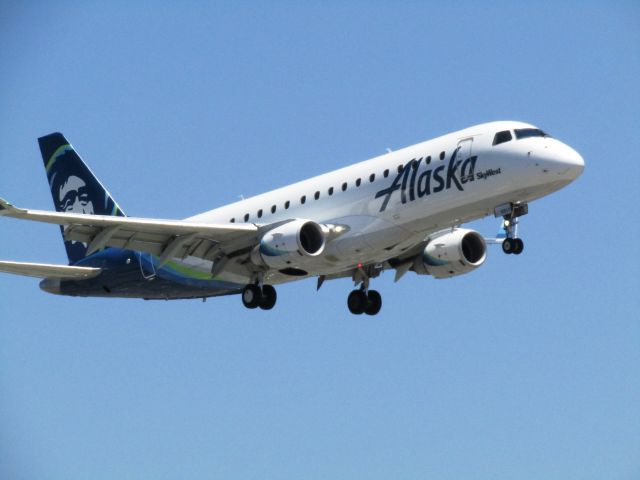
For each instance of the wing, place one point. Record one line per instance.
(45, 270)
(164, 238)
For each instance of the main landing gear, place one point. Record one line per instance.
(513, 244)
(253, 296)
(363, 300)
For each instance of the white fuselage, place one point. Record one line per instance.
(394, 201)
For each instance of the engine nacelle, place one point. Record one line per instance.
(290, 246)
(451, 253)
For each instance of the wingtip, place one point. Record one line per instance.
(7, 208)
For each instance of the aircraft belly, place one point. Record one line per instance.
(129, 284)
(367, 234)
(132, 274)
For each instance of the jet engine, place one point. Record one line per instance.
(451, 253)
(290, 246)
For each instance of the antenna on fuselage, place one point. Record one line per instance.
(389, 150)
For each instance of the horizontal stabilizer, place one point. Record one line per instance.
(46, 270)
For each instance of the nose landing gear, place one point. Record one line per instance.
(512, 245)
(511, 212)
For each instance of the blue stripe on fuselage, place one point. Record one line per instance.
(127, 273)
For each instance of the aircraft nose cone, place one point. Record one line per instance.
(572, 161)
(559, 160)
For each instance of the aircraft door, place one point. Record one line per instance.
(147, 268)
(465, 148)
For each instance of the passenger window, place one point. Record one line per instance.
(233, 220)
(441, 155)
(400, 168)
(372, 177)
(502, 137)
(344, 186)
(386, 173)
(286, 205)
(246, 217)
(415, 163)
(317, 195)
(273, 209)
(358, 181)
(330, 191)
(428, 160)
(260, 213)
(303, 199)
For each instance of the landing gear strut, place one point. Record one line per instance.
(253, 296)
(363, 300)
(510, 213)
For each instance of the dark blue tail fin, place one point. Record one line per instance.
(74, 187)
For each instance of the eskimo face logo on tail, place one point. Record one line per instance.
(74, 190)
(414, 185)
(73, 196)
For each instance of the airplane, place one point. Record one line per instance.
(400, 211)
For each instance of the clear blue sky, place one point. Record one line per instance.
(528, 368)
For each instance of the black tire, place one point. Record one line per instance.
(357, 302)
(374, 303)
(251, 296)
(518, 247)
(269, 297)
(508, 245)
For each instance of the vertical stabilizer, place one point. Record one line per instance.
(74, 187)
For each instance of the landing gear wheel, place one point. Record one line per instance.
(268, 299)
(518, 247)
(357, 302)
(508, 245)
(251, 296)
(374, 303)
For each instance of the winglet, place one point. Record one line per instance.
(6, 208)
(502, 231)
(500, 235)
(4, 205)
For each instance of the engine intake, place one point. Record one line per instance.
(294, 244)
(451, 253)
(311, 238)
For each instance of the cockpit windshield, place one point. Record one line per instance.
(529, 132)
(502, 137)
